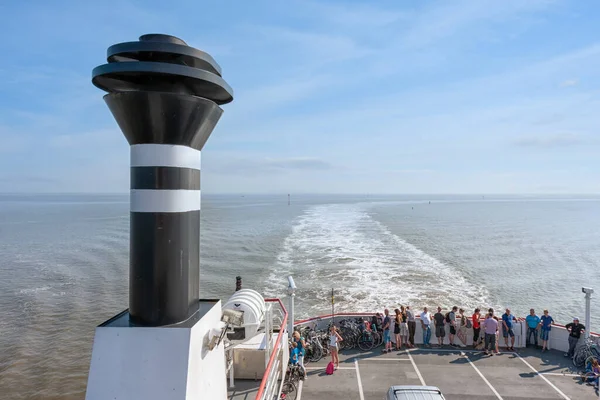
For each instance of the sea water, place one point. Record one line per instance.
(64, 263)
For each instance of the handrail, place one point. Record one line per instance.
(265, 379)
(562, 326)
(360, 314)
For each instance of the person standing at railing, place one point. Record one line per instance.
(451, 321)
(476, 326)
(412, 326)
(440, 330)
(533, 322)
(403, 327)
(575, 330)
(425, 325)
(387, 339)
(490, 327)
(397, 321)
(545, 327)
(507, 329)
(463, 324)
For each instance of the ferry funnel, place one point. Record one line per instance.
(165, 97)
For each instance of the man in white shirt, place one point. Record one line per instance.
(425, 325)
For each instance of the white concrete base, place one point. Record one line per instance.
(130, 363)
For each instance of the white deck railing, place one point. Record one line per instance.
(270, 386)
(558, 338)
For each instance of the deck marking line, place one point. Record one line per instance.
(360, 387)
(458, 350)
(558, 374)
(300, 384)
(382, 359)
(482, 376)
(416, 369)
(543, 377)
(318, 368)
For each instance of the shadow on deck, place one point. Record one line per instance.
(459, 373)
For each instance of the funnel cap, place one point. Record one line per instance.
(162, 63)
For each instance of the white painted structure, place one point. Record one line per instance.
(252, 304)
(141, 363)
(164, 155)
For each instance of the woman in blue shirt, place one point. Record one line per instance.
(546, 323)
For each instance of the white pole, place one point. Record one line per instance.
(291, 295)
(268, 332)
(230, 362)
(588, 310)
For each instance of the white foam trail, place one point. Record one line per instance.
(34, 290)
(341, 246)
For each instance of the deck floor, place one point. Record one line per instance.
(459, 373)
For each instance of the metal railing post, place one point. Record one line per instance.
(291, 295)
(588, 310)
(268, 332)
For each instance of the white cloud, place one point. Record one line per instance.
(569, 82)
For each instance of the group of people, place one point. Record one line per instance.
(404, 327)
(298, 349)
(455, 323)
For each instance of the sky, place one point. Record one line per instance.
(329, 96)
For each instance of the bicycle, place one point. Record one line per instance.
(289, 391)
(292, 376)
(585, 352)
(366, 341)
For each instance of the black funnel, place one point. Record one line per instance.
(165, 96)
(165, 118)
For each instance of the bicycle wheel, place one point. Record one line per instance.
(377, 339)
(288, 391)
(307, 355)
(365, 342)
(580, 356)
(297, 375)
(316, 353)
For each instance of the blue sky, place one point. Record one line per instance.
(333, 97)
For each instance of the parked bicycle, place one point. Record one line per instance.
(585, 352)
(293, 375)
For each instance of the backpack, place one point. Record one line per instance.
(329, 369)
(447, 318)
(469, 324)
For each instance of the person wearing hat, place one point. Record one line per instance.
(575, 329)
